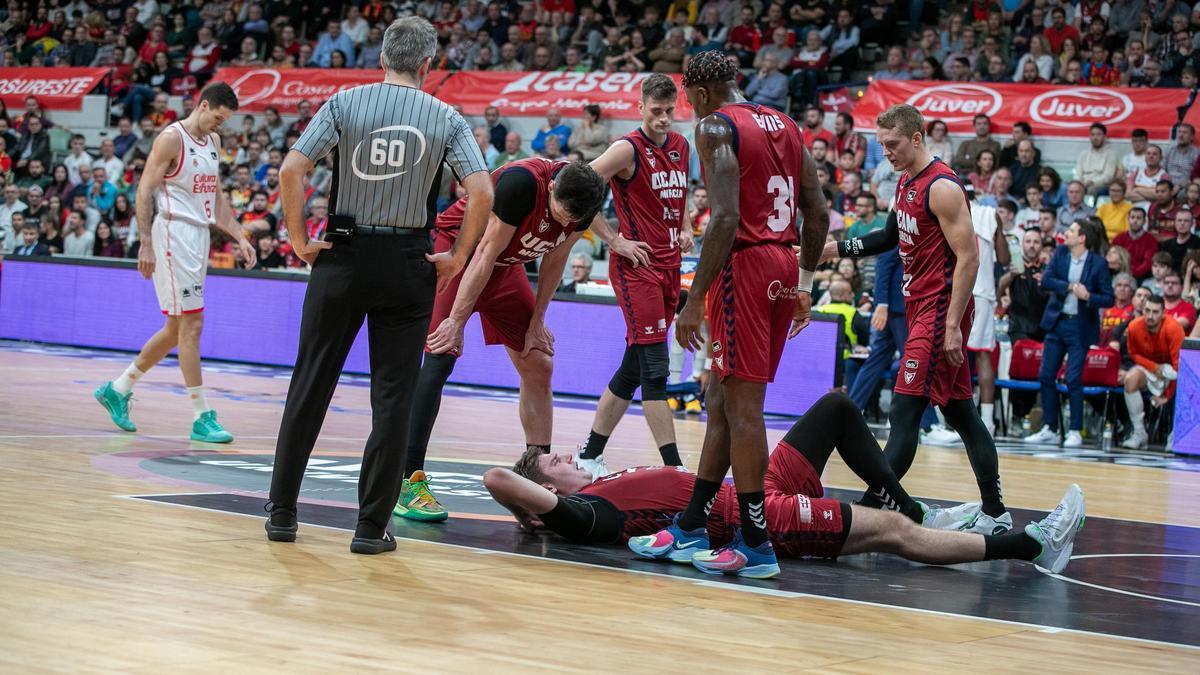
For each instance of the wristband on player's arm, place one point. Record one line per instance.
(872, 243)
(806, 281)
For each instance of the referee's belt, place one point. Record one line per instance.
(389, 231)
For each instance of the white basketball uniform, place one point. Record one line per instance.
(983, 327)
(186, 206)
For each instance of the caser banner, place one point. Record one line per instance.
(55, 88)
(258, 88)
(1052, 110)
(532, 94)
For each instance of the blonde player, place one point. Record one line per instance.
(180, 194)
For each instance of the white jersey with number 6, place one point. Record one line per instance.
(186, 205)
(189, 194)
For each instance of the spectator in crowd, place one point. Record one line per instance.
(698, 216)
(269, 257)
(841, 303)
(77, 154)
(496, 131)
(36, 177)
(1121, 313)
(999, 191)
(91, 216)
(1173, 302)
(1080, 287)
(883, 182)
(304, 114)
(34, 144)
(938, 140)
(125, 137)
(814, 127)
(768, 87)
(332, 40)
(1074, 209)
(161, 113)
(779, 47)
(107, 244)
(1118, 260)
(141, 147)
(745, 38)
(553, 126)
(29, 244)
(100, 193)
(1135, 159)
(1039, 55)
(79, 242)
(1184, 240)
(592, 137)
(1025, 171)
(1097, 165)
(1021, 131)
(849, 191)
(843, 40)
(258, 218)
(896, 68)
(512, 151)
(1030, 215)
(668, 57)
(809, 67)
(1161, 213)
(964, 158)
(985, 167)
(845, 139)
(820, 154)
(867, 218)
(1054, 194)
(581, 273)
(1153, 340)
(1115, 212)
(12, 204)
(1142, 182)
(1191, 279)
(552, 150)
(485, 146)
(1159, 267)
(108, 160)
(1181, 157)
(509, 61)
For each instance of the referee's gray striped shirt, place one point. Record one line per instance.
(391, 142)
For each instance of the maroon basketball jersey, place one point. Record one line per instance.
(651, 203)
(539, 233)
(926, 255)
(648, 497)
(770, 151)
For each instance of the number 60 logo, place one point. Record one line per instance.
(384, 152)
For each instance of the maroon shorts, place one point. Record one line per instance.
(648, 296)
(505, 306)
(802, 523)
(750, 307)
(925, 371)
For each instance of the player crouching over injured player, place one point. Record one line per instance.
(550, 490)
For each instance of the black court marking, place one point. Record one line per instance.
(1166, 578)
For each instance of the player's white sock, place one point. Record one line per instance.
(1137, 410)
(124, 384)
(199, 402)
(987, 412)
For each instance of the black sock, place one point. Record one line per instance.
(695, 516)
(1011, 546)
(544, 449)
(754, 518)
(670, 454)
(981, 451)
(993, 503)
(594, 446)
(870, 500)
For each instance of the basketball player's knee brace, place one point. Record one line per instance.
(654, 363)
(625, 381)
(437, 368)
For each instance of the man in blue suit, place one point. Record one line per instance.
(889, 331)
(1080, 286)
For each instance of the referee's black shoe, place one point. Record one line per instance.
(373, 545)
(281, 524)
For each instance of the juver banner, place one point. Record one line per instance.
(55, 88)
(1052, 110)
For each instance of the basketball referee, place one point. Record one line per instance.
(375, 262)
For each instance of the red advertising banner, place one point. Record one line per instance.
(1052, 110)
(532, 94)
(258, 88)
(55, 88)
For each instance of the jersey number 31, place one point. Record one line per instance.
(783, 214)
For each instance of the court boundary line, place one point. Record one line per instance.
(701, 582)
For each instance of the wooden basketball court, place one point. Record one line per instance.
(181, 577)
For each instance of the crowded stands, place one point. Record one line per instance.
(1134, 209)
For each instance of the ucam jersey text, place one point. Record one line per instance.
(532, 246)
(670, 184)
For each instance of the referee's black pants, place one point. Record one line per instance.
(386, 279)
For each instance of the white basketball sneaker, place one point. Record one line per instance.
(953, 518)
(942, 436)
(1056, 532)
(985, 524)
(1073, 440)
(1043, 437)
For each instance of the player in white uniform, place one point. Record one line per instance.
(993, 247)
(178, 199)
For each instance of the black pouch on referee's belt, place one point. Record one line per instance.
(339, 229)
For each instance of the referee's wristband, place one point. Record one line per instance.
(806, 281)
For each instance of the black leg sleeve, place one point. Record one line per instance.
(981, 450)
(427, 401)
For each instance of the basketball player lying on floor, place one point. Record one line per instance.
(551, 491)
